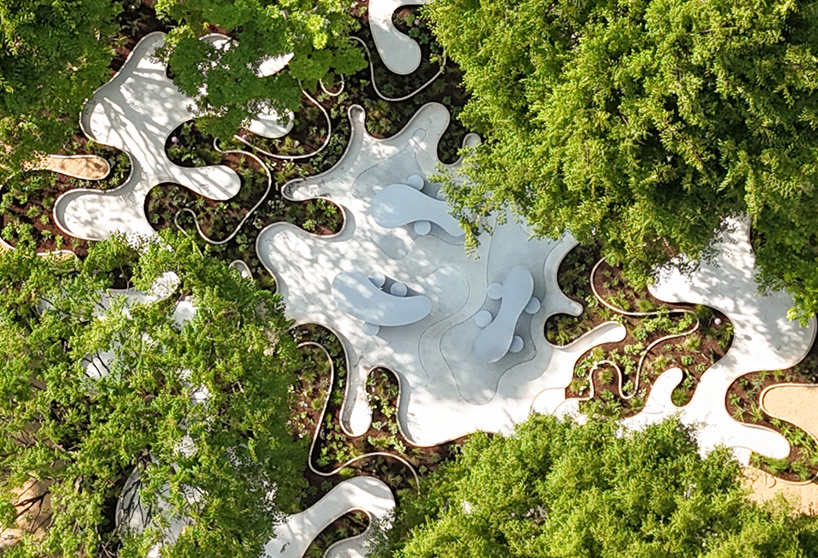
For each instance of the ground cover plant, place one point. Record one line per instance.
(560, 489)
(315, 32)
(616, 377)
(31, 216)
(27, 199)
(743, 402)
(383, 451)
(79, 432)
(613, 391)
(227, 231)
(54, 57)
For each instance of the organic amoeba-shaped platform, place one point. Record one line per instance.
(446, 390)
(136, 112)
(764, 338)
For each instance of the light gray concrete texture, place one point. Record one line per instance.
(356, 295)
(401, 204)
(497, 339)
(764, 339)
(367, 494)
(400, 53)
(446, 392)
(136, 112)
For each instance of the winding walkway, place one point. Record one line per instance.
(446, 391)
(136, 112)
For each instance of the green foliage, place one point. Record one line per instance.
(315, 31)
(54, 55)
(86, 435)
(642, 124)
(560, 489)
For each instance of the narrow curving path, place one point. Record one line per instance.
(763, 339)
(367, 494)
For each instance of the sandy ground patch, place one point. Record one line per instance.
(797, 404)
(794, 403)
(766, 487)
(86, 167)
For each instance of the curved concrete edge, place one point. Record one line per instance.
(764, 339)
(556, 301)
(242, 268)
(367, 494)
(267, 124)
(85, 113)
(796, 404)
(281, 288)
(130, 216)
(432, 410)
(564, 360)
(400, 53)
(300, 189)
(517, 396)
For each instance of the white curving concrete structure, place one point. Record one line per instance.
(446, 391)
(367, 494)
(136, 112)
(403, 204)
(356, 295)
(764, 339)
(497, 337)
(400, 53)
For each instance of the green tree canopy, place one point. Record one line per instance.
(642, 124)
(576, 491)
(315, 31)
(84, 435)
(54, 55)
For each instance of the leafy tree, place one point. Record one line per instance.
(643, 124)
(54, 55)
(82, 435)
(562, 489)
(315, 31)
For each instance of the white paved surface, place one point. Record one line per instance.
(446, 391)
(294, 536)
(356, 295)
(136, 112)
(764, 339)
(400, 53)
(399, 204)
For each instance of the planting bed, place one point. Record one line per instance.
(625, 393)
